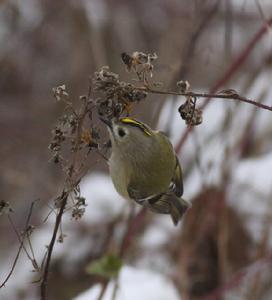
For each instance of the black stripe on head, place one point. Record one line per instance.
(135, 123)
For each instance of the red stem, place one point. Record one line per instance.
(228, 74)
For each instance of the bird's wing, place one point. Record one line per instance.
(139, 197)
(164, 203)
(176, 187)
(177, 179)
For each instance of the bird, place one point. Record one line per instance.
(144, 167)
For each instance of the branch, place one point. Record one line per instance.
(51, 245)
(21, 245)
(229, 96)
(229, 73)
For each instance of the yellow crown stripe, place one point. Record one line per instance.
(136, 123)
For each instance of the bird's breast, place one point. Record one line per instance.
(120, 175)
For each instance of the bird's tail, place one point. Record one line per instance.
(170, 204)
(178, 208)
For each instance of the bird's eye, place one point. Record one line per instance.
(121, 132)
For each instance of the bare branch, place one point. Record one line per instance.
(21, 245)
(230, 96)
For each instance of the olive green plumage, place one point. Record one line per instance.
(144, 167)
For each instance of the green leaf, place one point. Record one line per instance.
(107, 266)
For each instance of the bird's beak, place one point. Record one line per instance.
(107, 122)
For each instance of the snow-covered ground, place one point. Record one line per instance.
(135, 283)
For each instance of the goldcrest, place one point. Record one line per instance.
(144, 167)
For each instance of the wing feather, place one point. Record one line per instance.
(177, 179)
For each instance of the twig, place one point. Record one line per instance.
(197, 33)
(132, 226)
(51, 245)
(235, 66)
(21, 245)
(21, 240)
(260, 9)
(231, 96)
(187, 58)
(115, 289)
(103, 290)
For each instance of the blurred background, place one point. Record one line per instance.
(222, 249)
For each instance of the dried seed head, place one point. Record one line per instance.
(189, 113)
(127, 60)
(78, 212)
(119, 95)
(183, 86)
(140, 63)
(60, 92)
(79, 208)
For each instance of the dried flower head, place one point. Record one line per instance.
(183, 86)
(138, 58)
(119, 95)
(79, 208)
(60, 92)
(189, 112)
(140, 63)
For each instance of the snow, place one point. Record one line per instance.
(256, 173)
(154, 244)
(102, 199)
(154, 237)
(250, 192)
(136, 284)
